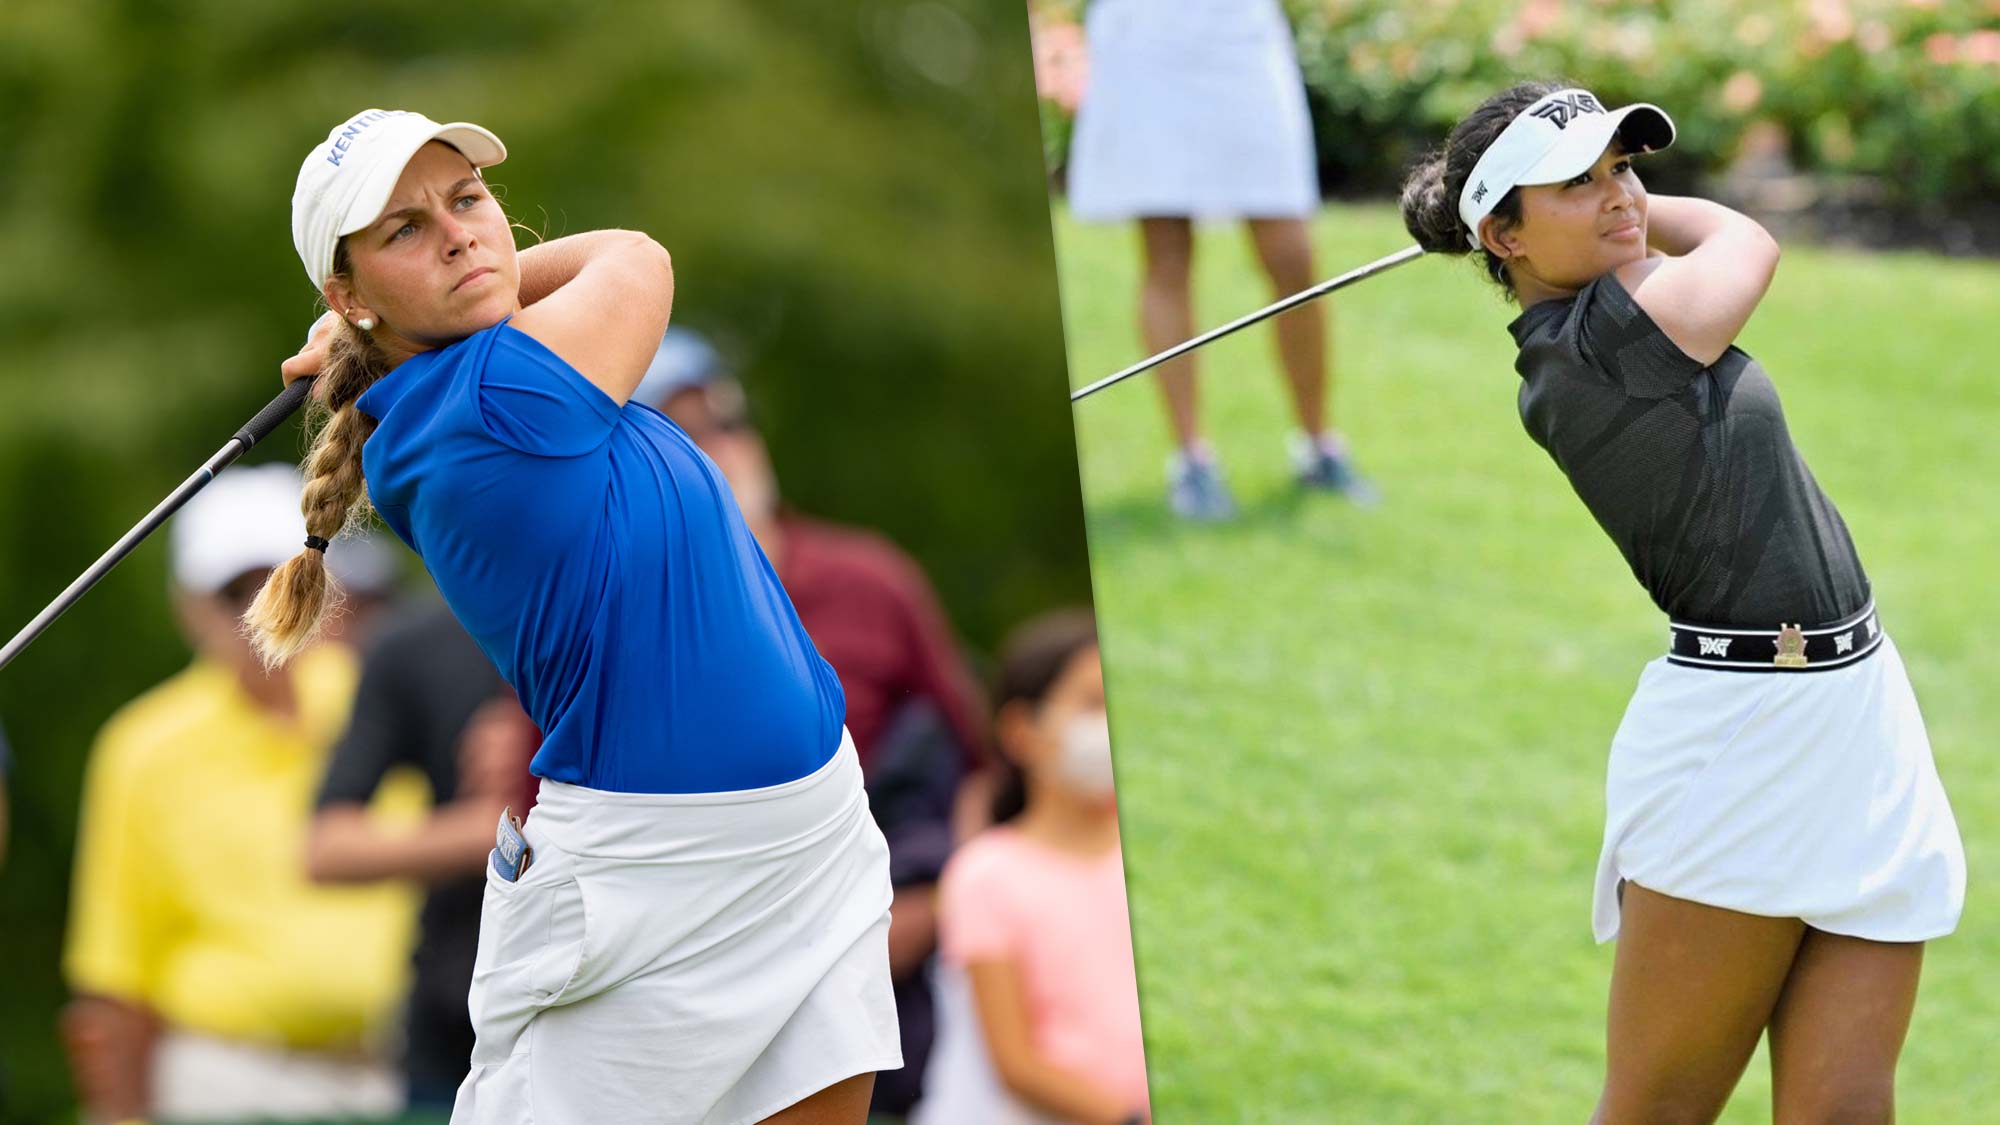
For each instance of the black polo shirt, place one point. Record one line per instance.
(1689, 469)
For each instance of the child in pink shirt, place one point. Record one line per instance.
(1039, 1005)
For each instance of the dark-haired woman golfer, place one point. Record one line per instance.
(697, 932)
(1777, 846)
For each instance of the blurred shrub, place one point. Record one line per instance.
(1905, 92)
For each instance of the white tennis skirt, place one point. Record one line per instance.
(684, 959)
(1195, 108)
(1807, 795)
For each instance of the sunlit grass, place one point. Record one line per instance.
(1361, 752)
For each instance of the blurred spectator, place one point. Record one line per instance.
(1038, 996)
(212, 980)
(1196, 109)
(366, 566)
(429, 699)
(911, 705)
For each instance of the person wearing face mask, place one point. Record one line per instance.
(911, 704)
(1039, 1004)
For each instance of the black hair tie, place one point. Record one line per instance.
(316, 543)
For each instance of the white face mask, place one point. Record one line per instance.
(1084, 763)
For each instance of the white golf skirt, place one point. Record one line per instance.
(1807, 795)
(1195, 108)
(684, 959)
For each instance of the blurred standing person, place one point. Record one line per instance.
(428, 699)
(212, 980)
(911, 704)
(1196, 110)
(367, 569)
(1038, 990)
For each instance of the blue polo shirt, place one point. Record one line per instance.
(600, 561)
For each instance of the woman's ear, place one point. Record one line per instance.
(1497, 236)
(339, 293)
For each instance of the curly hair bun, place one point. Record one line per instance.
(1429, 214)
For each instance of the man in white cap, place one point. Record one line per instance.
(213, 980)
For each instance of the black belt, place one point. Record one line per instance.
(1788, 648)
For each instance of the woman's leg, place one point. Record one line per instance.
(1284, 246)
(1691, 990)
(1838, 1029)
(843, 1103)
(1166, 317)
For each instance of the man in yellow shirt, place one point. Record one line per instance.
(213, 980)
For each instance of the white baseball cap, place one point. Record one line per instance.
(1558, 137)
(347, 179)
(247, 519)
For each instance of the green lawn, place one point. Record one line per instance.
(1361, 752)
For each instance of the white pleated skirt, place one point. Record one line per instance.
(684, 959)
(1807, 795)
(1194, 109)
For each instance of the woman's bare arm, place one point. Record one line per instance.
(1003, 1020)
(601, 301)
(1715, 267)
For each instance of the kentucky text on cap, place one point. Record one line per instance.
(1558, 137)
(347, 179)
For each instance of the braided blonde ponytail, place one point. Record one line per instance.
(300, 595)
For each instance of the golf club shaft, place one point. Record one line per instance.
(259, 427)
(1299, 298)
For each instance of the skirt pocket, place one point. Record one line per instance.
(531, 935)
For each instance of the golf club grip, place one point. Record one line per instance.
(274, 413)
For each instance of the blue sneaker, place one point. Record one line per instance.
(1195, 489)
(1326, 466)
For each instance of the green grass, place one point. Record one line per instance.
(1361, 752)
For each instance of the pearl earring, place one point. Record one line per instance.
(366, 324)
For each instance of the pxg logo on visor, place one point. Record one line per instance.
(1564, 106)
(1539, 147)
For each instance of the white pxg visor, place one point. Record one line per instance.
(1557, 138)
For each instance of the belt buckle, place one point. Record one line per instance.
(1791, 644)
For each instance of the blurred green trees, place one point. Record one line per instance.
(850, 191)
